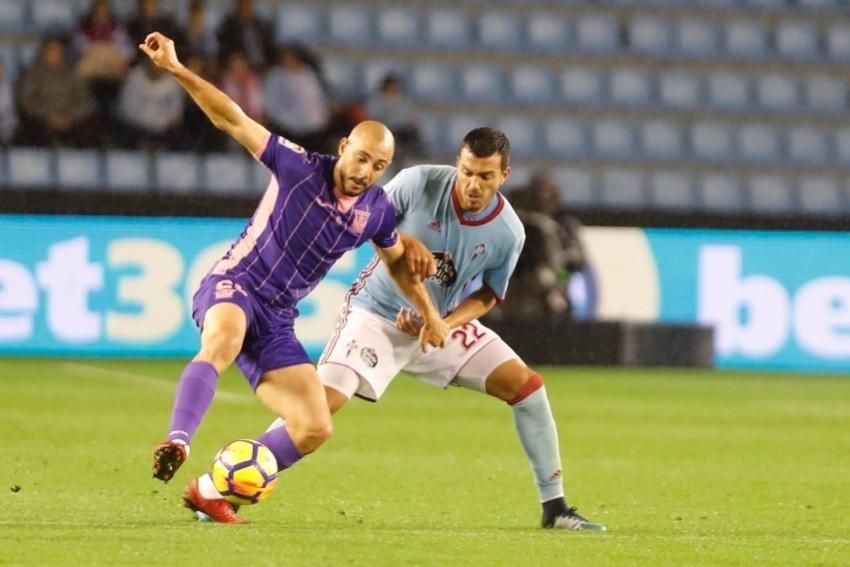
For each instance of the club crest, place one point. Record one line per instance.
(358, 223)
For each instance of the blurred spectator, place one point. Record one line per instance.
(243, 85)
(104, 51)
(197, 132)
(101, 41)
(199, 36)
(392, 107)
(553, 251)
(296, 105)
(55, 105)
(8, 116)
(150, 107)
(148, 18)
(243, 31)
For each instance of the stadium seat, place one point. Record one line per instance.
(126, 9)
(522, 132)
(546, 32)
(758, 143)
(623, 188)
(826, 93)
(808, 145)
(697, 38)
(648, 34)
(671, 190)
(447, 28)
(52, 15)
(9, 60)
(374, 70)
(576, 187)
(597, 33)
(728, 90)
(662, 139)
(26, 54)
(746, 38)
(613, 139)
(820, 195)
(711, 141)
(79, 169)
(482, 83)
(127, 170)
(433, 81)
(430, 131)
(177, 172)
(838, 42)
(398, 26)
(499, 29)
(259, 177)
(581, 85)
(720, 192)
(226, 173)
(12, 15)
(298, 22)
(679, 89)
(350, 24)
(343, 76)
(530, 83)
(821, 4)
(842, 145)
(30, 167)
(797, 40)
(777, 92)
(771, 194)
(630, 87)
(565, 138)
(458, 125)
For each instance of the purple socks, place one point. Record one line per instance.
(281, 445)
(195, 393)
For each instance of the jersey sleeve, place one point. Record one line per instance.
(386, 235)
(282, 156)
(405, 188)
(498, 277)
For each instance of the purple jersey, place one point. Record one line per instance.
(300, 229)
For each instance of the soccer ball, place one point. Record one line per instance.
(244, 472)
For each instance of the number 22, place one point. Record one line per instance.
(468, 335)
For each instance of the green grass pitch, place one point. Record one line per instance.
(685, 468)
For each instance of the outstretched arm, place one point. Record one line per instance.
(222, 111)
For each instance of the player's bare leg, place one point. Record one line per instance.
(523, 389)
(223, 332)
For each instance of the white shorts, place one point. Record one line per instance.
(377, 351)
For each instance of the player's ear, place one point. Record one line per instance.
(506, 173)
(342, 144)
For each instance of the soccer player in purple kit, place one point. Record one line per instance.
(315, 209)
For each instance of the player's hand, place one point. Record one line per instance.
(420, 260)
(434, 332)
(161, 51)
(407, 321)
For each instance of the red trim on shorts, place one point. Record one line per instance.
(531, 385)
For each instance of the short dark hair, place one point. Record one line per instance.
(484, 142)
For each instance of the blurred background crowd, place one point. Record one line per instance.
(727, 108)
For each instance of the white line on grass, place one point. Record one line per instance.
(152, 381)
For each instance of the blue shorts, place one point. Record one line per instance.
(270, 341)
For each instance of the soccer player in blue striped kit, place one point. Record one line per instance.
(474, 235)
(316, 208)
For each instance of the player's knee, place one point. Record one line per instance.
(530, 383)
(220, 348)
(310, 435)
